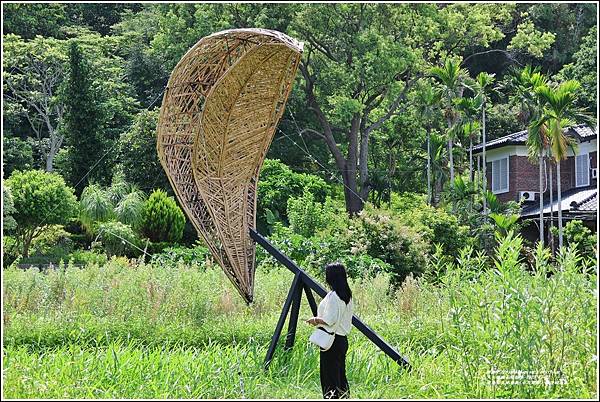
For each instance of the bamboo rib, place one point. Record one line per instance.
(218, 117)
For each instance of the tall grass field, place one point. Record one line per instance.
(482, 329)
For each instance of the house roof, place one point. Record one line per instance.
(581, 132)
(577, 200)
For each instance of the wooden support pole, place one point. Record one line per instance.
(311, 299)
(300, 276)
(293, 322)
(279, 327)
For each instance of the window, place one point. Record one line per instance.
(500, 175)
(582, 170)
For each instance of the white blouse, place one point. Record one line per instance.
(336, 313)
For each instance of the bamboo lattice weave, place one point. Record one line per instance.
(219, 113)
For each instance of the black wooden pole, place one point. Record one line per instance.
(293, 322)
(300, 276)
(311, 299)
(284, 312)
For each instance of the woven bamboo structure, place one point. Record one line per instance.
(218, 116)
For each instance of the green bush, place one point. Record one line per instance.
(16, 154)
(582, 238)
(117, 238)
(438, 227)
(307, 216)
(40, 199)
(87, 257)
(186, 255)
(53, 241)
(8, 208)
(277, 184)
(379, 235)
(161, 218)
(95, 206)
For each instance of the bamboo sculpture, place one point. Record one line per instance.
(218, 116)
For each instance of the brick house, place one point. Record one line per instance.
(512, 177)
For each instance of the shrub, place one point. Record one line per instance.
(129, 208)
(95, 206)
(582, 238)
(380, 236)
(86, 257)
(54, 241)
(307, 216)
(8, 208)
(438, 227)
(161, 219)
(117, 238)
(40, 199)
(277, 184)
(185, 255)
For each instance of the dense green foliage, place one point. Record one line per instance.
(83, 122)
(161, 218)
(117, 238)
(138, 159)
(125, 329)
(17, 155)
(40, 199)
(582, 238)
(277, 184)
(370, 166)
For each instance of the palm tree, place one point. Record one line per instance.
(452, 78)
(483, 85)
(428, 107)
(469, 108)
(560, 112)
(438, 163)
(524, 84)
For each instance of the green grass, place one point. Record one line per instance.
(129, 330)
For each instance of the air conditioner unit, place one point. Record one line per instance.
(594, 173)
(527, 195)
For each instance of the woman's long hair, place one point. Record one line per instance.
(336, 278)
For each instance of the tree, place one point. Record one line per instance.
(483, 88)
(34, 71)
(83, 121)
(16, 154)
(584, 70)
(429, 100)
(161, 219)
(524, 84)
(560, 111)
(349, 98)
(452, 78)
(469, 108)
(30, 20)
(40, 199)
(138, 159)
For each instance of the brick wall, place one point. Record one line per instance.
(524, 176)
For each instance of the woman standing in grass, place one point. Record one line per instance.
(334, 315)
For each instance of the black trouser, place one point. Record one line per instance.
(333, 370)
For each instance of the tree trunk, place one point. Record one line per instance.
(470, 158)
(451, 161)
(354, 203)
(428, 166)
(484, 161)
(541, 162)
(551, 235)
(560, 225)
(363, 154)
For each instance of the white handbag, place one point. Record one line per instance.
(322, 338)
